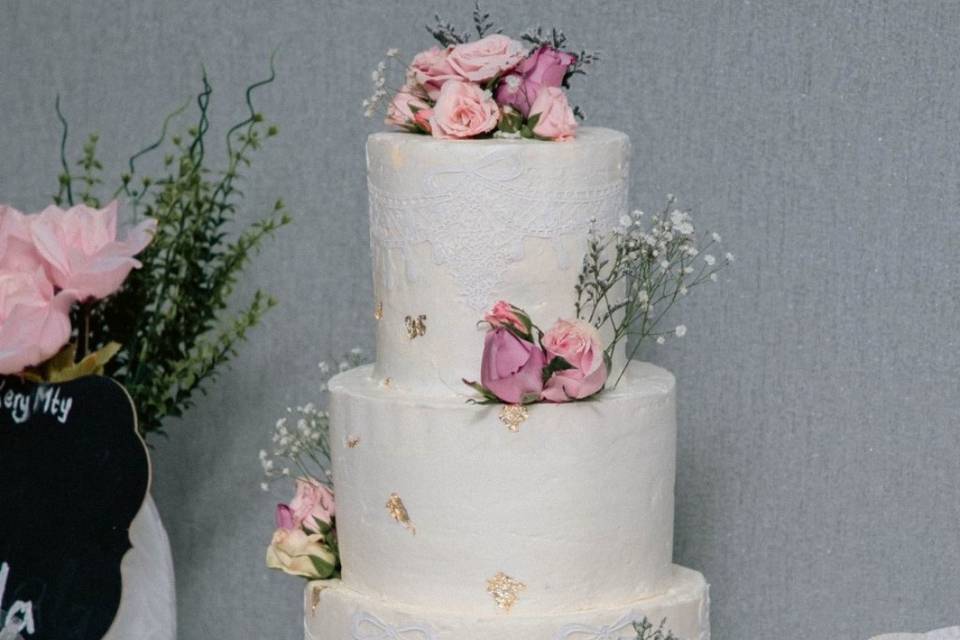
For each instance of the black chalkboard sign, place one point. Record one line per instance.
(73, 474)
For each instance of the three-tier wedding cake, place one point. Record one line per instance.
(463, 521)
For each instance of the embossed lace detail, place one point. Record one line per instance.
(605, 632)
(476, 217)
(366, 626)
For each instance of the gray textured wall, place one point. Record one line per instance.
(818, 456)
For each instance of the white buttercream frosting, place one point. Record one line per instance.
(577, 504)
(340, 613)
(456, 226)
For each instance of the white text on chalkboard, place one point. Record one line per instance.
(44, 400)
(20, 616)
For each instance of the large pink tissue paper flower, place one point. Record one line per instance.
(503, 315)
(463, 110)
(17, 251)
(314, 501)
(557, 121)
(512, 368)
(404, 107)
(430, 69)
(81, 248)
(34, 322)
(579, 343)
(486, 58)
(545, 67)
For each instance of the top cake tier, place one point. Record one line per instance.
(457, 225)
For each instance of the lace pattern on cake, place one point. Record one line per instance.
(622, 629)
(366, 626)
(475, 217)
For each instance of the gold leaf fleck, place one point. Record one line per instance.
(353, 441)
(416, 327)
(505, 590)
(399, 512)
(315, 598)
(513, 415)
(378, 312)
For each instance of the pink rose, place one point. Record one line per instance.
(313, 501)
(81, 248)
(403, 109)
(16, 246)
(486, 58)
(579, 343)
(556, 121)
(463, 110)
(512, 368)
(545, 67)
(505, 314)
(430, 69)
(34, 323)
(422, 119)
(284, 517)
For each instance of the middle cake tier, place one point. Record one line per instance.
(436, 497)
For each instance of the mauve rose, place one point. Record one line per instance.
(313, 501)
(545, 67)
(502, 315)
(463, 110)
(512, 368)
(17, 251)
(579, 343)
(284, 517)
(34, 322)
(486, 58)
(81, 249)
(403, 108)
(430, 69)
(556, 121)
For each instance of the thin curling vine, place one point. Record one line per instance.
(632, 277)
(172, 315)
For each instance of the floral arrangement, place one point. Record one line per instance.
(176, 318)
(630, 279)
(55, 264)
(646, 631)
(492, 86)
(304, 542)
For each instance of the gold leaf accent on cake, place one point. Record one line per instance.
(353, 441)
(416, 327)
(386, 382)
(315, 598)
(513, 415)
(505, 590)
(378, 312)
(399, 512)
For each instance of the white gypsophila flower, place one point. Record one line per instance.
(626, 221)
(710, 260)
(637, 213)
(688, 269)
(716, 237)
(729, 256)
(393, 52)
(685, 228)
(681, 330)
(356, 351)
(264, 486)
(643, 296)
(683, 291)
(661, 339)
(713, 277)
(664, 265)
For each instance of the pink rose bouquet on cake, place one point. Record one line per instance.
(53, 264)
(522, 364)
(492, 86)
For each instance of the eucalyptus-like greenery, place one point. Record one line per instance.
(632, 277)
(646, 631)
(176, 317)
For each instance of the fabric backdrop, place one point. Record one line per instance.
(819, 444)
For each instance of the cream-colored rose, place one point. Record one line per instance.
(293, 551)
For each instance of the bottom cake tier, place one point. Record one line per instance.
(335, 612)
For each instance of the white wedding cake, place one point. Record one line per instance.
(459, 521)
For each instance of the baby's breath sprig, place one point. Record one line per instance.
(655, 266)
(378, 76)
(301, 437)
(646, 631)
